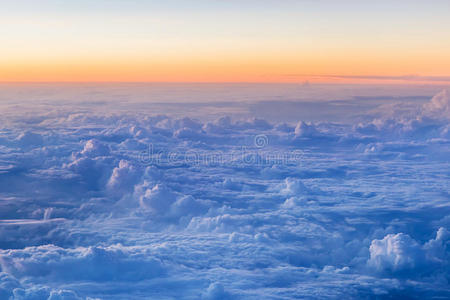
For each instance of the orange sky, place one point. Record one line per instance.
(226, 42)
(225, 69)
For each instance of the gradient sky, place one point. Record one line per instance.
(225, 40)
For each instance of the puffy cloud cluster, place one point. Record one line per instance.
(439, 106)
(400, 254)
(11, 288)
(123, 177)
(305, 130)
(164, 203)
(395, 253)
(126, 202)
(114, 262)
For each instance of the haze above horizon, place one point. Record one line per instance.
(225, 41)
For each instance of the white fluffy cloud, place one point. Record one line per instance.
(399, 253)
(94, 148)
(439, 105)
(114, 262)
(108, 202)
(157, 199)
(395, 253)
(304, 129)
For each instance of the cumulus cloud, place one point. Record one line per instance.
(7, 284)
(157, 199)
(187, 205)
(110, 263)
(94, 148)
(216, 291)
(304, 129)
(44, 293)
(63, 295)
(123, 178)
(166, 204)
(399, 253)
(99, 201)
(395, 253)
(439, 106)
(294, 187)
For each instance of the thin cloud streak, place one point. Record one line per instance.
(377, 77)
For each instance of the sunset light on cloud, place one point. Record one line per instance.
(225, 41)
(224, 149)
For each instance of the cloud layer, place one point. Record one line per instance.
(139, 205)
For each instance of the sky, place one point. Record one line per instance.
(225, 41)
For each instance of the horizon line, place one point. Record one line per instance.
(304, 82)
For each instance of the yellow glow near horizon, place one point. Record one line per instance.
(289, 44)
